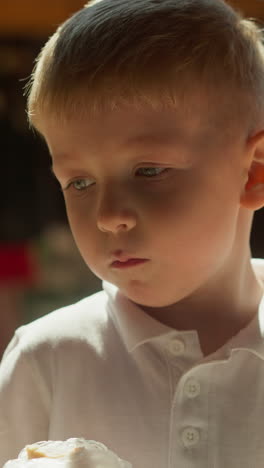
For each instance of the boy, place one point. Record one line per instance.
(153, 112)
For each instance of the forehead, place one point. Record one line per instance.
(131, 125)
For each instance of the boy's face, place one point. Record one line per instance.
(155, 185)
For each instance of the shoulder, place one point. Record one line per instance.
(83, 321)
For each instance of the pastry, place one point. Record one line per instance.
(71, 453)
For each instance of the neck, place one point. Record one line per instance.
(219, 310)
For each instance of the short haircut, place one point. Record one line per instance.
(153, 51)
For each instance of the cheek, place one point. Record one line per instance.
(81, 227)
(87, 242)
(196, 220)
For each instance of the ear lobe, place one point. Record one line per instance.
(253, 192)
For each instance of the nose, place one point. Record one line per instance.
(115, 213)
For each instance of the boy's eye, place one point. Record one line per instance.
(151, 171)
(80, 184)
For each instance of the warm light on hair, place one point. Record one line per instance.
(152, 51)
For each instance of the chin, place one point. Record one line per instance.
(151, 298)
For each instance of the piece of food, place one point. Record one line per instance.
(71, 453)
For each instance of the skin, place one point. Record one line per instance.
(189, 215)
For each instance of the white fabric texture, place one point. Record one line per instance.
(103, 369)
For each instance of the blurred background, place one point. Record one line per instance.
(40, 266)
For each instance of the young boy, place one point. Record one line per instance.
(153, 112)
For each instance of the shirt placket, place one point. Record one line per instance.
(189, 406)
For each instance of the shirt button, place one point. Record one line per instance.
(176, 347)
(190, 436)
(192, 388)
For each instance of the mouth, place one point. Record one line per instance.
(131, 262)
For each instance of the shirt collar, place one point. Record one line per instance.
(251, 338)
(137, 327)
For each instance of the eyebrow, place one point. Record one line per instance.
(150, 138)
(59, 157)
(159, 140)
(144, 139)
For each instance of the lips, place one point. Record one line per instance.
(122, 259)
(128, 263)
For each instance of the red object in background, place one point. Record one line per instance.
(17, 265)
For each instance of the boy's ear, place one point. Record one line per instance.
(253, 192)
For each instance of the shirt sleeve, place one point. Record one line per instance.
(24, 400)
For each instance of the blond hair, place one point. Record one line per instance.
(115, 51)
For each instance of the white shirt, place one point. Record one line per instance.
(104, 370)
